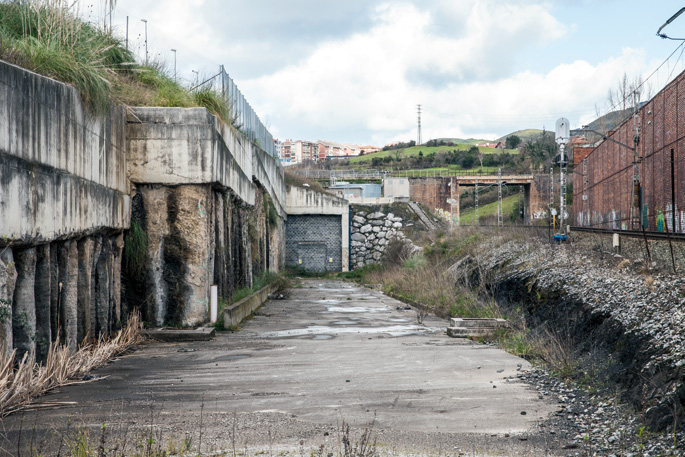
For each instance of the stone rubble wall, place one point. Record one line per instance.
(371, 233)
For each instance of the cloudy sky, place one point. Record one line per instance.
(355, 70)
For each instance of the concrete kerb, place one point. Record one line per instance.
(180, 334)
(237, 312)
(474, 327)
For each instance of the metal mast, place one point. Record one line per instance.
(418, 138)
(586, 203)
(636, 207)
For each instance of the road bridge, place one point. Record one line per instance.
(433, 188)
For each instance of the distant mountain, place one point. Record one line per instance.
(611, 120)
(526, 134)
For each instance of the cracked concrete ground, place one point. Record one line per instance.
(331, 351)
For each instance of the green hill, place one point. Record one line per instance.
(414, 151)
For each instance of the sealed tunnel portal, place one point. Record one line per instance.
(314, 242)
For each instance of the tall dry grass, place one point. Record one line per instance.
(23, 380)
(48, 37)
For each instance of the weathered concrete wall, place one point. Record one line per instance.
(176, 146)
(197, 236)
(67, 289)
(303, 201)
(211, 204)
(64, 204)
(434, 193)
(62, 171)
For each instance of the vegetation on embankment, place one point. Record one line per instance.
(591, 320)
(49, 38)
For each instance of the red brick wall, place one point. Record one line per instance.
(610, 169)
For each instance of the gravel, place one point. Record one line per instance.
(648, 304)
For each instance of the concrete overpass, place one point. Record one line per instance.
(432, 188)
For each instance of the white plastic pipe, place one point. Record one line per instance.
(213, 303)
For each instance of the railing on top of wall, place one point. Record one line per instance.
(243, 117)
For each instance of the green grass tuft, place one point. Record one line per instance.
(135, 250)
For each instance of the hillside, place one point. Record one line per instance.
(526, 134)
(489, 212)
(414, 151)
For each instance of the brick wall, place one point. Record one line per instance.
(610, 170)
(314, 240)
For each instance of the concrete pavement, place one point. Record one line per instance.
(330, 351)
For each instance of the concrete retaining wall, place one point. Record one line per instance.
(237, 312)
(204, 193)
(64, 204)
(62, 171)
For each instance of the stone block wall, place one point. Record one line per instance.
(371, 233)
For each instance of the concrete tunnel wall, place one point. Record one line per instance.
(64, 204)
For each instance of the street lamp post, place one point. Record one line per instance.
(145, 21)
(174, 51)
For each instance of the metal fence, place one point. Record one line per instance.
(380, 174)
(243, 117)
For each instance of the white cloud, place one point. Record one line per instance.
(372, 81)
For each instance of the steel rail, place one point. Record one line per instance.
(632, 233)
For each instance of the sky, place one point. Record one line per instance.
(355, 70)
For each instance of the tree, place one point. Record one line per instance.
(398, 154)
(512, 142)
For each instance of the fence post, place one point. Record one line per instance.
(223, 86)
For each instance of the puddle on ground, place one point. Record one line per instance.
(230, 358)
(392, 330)
(322, 337)
(398, 319)
(345, 323)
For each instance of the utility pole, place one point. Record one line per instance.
(475, 198)
(499, 197)
(145, 21)
(418, 140)
(127, 33)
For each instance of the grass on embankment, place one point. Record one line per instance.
(48, 37)
(510, 205)
(414, 151)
